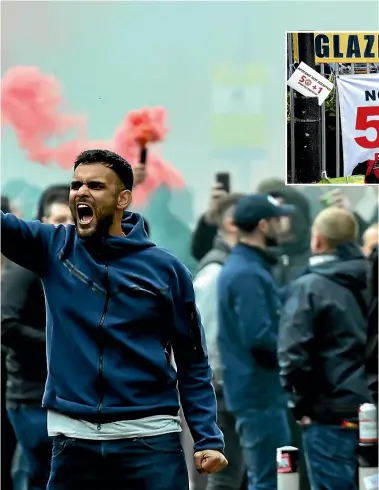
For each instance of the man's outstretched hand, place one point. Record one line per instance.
(210, 461)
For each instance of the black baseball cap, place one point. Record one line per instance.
(254, 207)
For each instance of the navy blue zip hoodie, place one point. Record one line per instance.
(114, 308)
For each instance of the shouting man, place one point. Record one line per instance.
(116, 304)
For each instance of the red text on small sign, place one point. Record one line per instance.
(307, 81)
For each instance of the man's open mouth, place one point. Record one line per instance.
(85, 213)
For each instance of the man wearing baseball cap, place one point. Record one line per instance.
(249, 307)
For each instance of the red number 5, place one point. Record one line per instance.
(362, 124)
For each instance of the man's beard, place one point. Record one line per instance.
(271, 240)
(100, 230)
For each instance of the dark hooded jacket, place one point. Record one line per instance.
(323, 336)
(293, 255)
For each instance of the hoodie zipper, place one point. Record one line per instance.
(101, 346)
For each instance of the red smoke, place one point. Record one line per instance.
(31, 103)
(146, 125)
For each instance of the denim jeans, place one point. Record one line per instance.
(261, 432)
(30, 426)
(331, 453)
(20, 470)
(144, 463)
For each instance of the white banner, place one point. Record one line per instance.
(359, 108)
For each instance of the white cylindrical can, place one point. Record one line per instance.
(287, 459)
(368, 424)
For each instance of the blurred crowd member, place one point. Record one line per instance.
(322, 341)
(23, 321)
(292, 249)
(292, 252)
(370, 239)
(372, 337)
(8, 438)
(338, 199)
(206, 230)
(205, 285)
(249, 305)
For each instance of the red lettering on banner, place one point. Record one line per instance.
(363, 124)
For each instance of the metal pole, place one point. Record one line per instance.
(292, 111)
(338, 156)
(323, 129)
(307, 122)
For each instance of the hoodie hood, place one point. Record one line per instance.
(301, 218)
(347, 267)
(135, 238)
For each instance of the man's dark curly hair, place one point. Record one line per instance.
(111, 160)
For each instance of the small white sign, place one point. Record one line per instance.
(309, 83)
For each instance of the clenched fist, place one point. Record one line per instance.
(210, 461)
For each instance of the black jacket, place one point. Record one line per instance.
(292, 255)
(202, 238)
(23, 321)
(372, 338)
(322, 338)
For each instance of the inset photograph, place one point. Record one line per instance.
(332, 108)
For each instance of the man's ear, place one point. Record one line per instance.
(263, 225)
(124, 199)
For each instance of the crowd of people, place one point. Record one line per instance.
(289, 326)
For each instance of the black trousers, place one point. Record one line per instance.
(8, 438)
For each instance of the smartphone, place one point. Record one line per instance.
(223, 178)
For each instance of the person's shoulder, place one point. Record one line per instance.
(238, 273)
(208, 274)
(308, 282)
(166, 260)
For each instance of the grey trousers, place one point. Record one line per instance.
(232, 477)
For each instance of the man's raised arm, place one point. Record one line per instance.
(26, 242)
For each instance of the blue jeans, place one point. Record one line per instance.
(20, 470)
(30, 427)
(261, 432)
(331, 453)
(144, 463)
